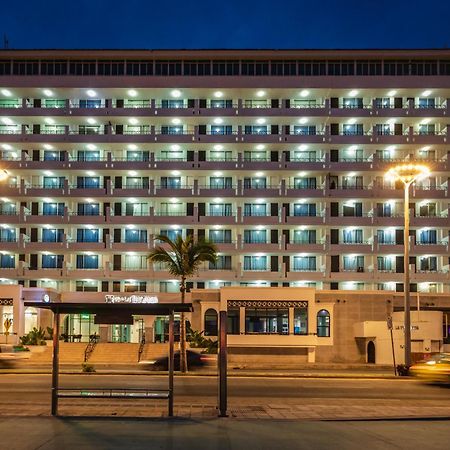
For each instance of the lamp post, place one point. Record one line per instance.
(407, 174)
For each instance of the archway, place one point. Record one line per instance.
(211, 322)
(371, 352)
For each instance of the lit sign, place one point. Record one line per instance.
(130, 299)
(46, 298)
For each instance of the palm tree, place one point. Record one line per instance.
(183, 259)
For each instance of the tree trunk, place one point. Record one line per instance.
(183, 353)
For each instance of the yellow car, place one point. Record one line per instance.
(435, 369)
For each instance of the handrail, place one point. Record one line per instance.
(141, 346)
(93, 339)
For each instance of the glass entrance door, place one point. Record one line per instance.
(120, 333)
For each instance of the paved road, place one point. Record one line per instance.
(264, 398)
(219, 434)
(37, 387)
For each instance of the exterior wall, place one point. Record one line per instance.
(426, 335)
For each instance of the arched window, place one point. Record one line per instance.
(323, 323)
(211, 322)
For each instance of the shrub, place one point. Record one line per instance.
(87, 368)
(35, 337)
(402, 370)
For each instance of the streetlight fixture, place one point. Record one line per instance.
(407, 174)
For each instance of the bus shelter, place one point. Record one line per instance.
(111, 313)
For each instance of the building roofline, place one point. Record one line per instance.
(224, 52)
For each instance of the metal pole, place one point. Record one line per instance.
(393, 352)
(223, 391)
(55, 363)
(407, 313)
(171, 363)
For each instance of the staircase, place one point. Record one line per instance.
(108, 353)
(69, 353)
(154, 351)
(104, 353)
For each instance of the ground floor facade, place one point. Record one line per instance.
(279, 326)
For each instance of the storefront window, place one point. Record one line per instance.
(300, 320)
(267, 321)
(323, 323)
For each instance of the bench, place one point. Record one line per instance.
(149, 394)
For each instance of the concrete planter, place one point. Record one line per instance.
(36, 348)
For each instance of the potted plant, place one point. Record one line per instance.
(34, 340)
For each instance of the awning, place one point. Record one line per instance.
(116, 308)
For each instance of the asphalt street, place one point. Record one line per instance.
(29, 388)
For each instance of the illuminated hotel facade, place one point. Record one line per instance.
(278, 157)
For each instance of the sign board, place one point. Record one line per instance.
(113, 318)
(6, 301)
(111, 298)
(389, 322)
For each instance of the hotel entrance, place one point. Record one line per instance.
(79, 327)
(128, 333)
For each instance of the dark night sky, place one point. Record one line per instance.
(225, 24)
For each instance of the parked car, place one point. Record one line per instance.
(194, 360)
(435, 369)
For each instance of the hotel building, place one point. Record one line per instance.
(278, 157)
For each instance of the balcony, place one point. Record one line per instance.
(345, 248)
(97, 246)
(305, 247)
(441, 248)
(75, 218)
(213, 219)
(364, 221)
(181, 191)
(305, 220)
(143, 247)
(307, 275)
(260, 220)
(265, 247)
(312, 192)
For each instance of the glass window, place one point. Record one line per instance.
(220, 183)
(427, 237)
(7, 262)
(352, 236)
(53, 209)
(301, 320)
(52, 235)
(52, 261)
(222, 129)
(7, 235)
(88, 182)
(87, 235)
(354, 263)
(323, 323)
(305, 209)
(53, 182)
(88, 155)
(255, 129)
(138, 156)
(223, 262)
(254, 209)
(87, 261)
(305, 183)
(90, 103)
(267, 321)
(172, 103)
(170, 182)
(88, 209)
(220, 236)
(353, 129)
(211, 322)
(233, 320)
(135, 235)
(304, 236)
(220, 209)
(255, 183)
(304, 263)
(221, 103)
(255, 262)
(171, 234)
(305, 130)
(255, 236)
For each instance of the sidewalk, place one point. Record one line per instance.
(214, 434)
(307, 371)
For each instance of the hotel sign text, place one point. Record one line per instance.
(130, 299)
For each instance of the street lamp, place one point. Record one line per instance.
(407, 174)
